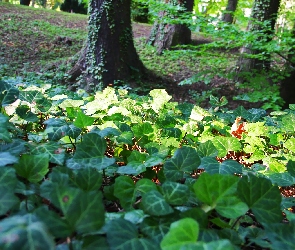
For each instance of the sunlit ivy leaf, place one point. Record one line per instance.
(82, 120)
(30, 96)
(32, 167)
(87, 179)
(120, 110)
(288, 122)
(207, 149)
(281, 235)
(220, 192)
(57, 225)
(122, 234)
(25, 113)
(6, 159)
(71, 103)
(262, 197)
(171, 132)
(185, 159)
(90, 153)
(160, 98)
(175, 193)
(142, 129)
(290, 144)
(199, 113)
(25, 232)
(181, 233)
(8, 94)
(225, 144)
(211, 245)
(8, 183)
(212, 166)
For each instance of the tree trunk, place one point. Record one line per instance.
(228, 15)
(164, 35)
(263, 10)
(109, 54)
(287, 90)
(25, 2)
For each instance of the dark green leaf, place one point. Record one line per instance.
(25, 113)
(124, 191)
(32, 167)
(6, 159)
(207, 149)
(88, 179)
(153, 203)
(175, 193)
(184, 160)
(262, 197)
(212, 166)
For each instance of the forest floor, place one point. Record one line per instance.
(38, 40)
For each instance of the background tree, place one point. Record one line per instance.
(25, 2)
(254, 56)
(74, 6)
(109, 54)
(140, 12)
(228, 15)
(164, 35)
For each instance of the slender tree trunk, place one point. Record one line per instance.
(109, 54)
(263, 10)
(228, 15)
(164, 35)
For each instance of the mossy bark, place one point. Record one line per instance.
(109, 54)
(228, 15)
(165, 35)
(263, 10)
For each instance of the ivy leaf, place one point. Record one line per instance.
(280, 235)
(281, 179)
(153, 203)
(290, 144)
(122, 234)
(57, 225)
(90, 153)
(55, 153)
(8, 183)
(182, 232)
(70, 103)
(175, 193)
(8, 94)
(25, 113)
(185, 159)
(32, 167)
(288, 122)
(6, 159)
(220, 192)
(212, 166)
(262, 197)
(56, 133)
(207, 149)
(126, 138)
(291, 167)
(160, 98)
(24, 232)
(124, 191)
(82, 120)
(30, 96)
(73, 131)
(225, 144)
(88, 179)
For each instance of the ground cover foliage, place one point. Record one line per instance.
(118, 171)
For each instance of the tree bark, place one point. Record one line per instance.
(263, 10)
(164, 35)
(25, 2)
(228, 15)
(109, 54)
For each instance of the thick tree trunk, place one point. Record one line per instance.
(263, 10)
(164, 35)
(25, 2)
(228, 15)
(110, 54)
